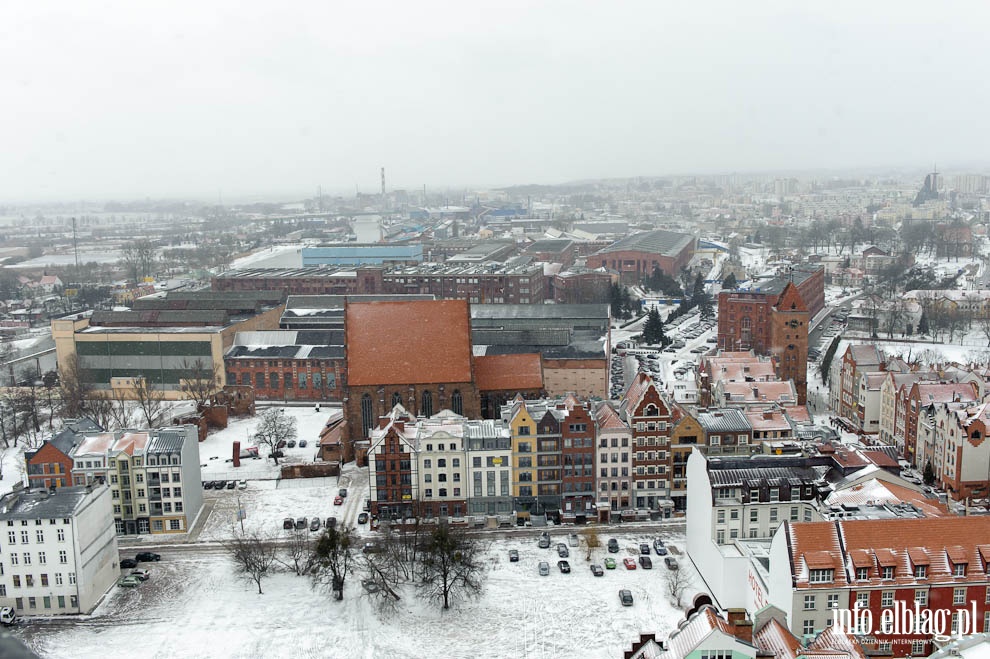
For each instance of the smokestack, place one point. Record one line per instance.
(237, 454)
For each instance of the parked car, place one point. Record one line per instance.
(363, 518)
(644, 548)
(281, 444)
(629, 563)
(207, 485)
(315, 524)
(544, 568)
(143, 575)
(625, 597)
(147, 557)
(370, 548)
(219, 485)
(544, 541)
(572, 540)
(337, 501)
(129, 582)
(562, 550)
(564, 566)
(342, 492)
(291, 443)
(513, 555)
(302, 443)
(609, 563)
(613, 546)
(301, 524)
(597, 570)
(670, 562)
(645, 562)
(242, 484)
(331, 522)
(276, 454)
(128, 563)
(231, 485)
(288, 523)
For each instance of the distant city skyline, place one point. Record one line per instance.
(253, 101)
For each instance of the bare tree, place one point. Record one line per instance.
(334, 557)
(450, 567)
(50, 381)
(984, 323)
(150, 400)
(379, 584)
(677, 584)
(199, 380)
(276, 427)
(139, 259)
(254, 553)
(297, 551)
(105, 411)
(74, 388)
(591, 541)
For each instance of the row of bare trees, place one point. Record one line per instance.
(439, 562)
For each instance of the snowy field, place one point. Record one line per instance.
(278, 256)
(196, 606)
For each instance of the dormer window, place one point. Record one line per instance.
(862, 573)
(921, 571)
(821, 576)
(959, 569)
(887, 572)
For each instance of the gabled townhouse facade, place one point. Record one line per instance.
(153, 475)
(652, 418)
(615, 465)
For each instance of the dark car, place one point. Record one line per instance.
(597, 570)
(564, 566)
(302, 443)
(219, 485)
(513, 555)
(562, 550)
(613, 546)
(658, 547)
(331, 522)
(671, 563)
(147, 556)
(342, 492)
(625, 597)
(644, 548)
(301, 523)
(276, 454)
(281, 444)
(288, 523)
(231, 485)
(645, 563)
(291, 443)
(207, 485)
(363, 518)
(128, 563)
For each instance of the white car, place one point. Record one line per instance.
(241, 485)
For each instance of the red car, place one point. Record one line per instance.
(629, 563)
(338, 501)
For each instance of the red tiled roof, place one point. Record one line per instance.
(885, 557)
(508, 372)
(408, 342)
(790, 299)
(819, 560)
(880, 459)
(861, 558)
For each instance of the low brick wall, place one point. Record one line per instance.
(315, 470)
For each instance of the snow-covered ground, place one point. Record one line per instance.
(217, 449)
(195, 605)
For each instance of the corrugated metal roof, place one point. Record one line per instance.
(166, 440)
(724, 420)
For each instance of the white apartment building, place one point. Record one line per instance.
(442, 469)
(489, 455)
(154, 476)
(58, 549)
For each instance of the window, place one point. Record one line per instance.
(13, 559)
(720, 537)
(427, 463)
(715, 440)
(429, 493)
(33, 602)
(958, 596)
(17, 581)
(884, 647)
(754, 515)
(443, 491)
(808, 627)
(921, 597)
(959, 569)
(12, 537)
(918, 648)
(887, 572)
(273, 380)
(887, 598)
(175, 525)
(63, 557)
(58, 578)
(42, 560)
(862, 573)
(809, 602)
(734, 513)
(74, 601)
(25, 538)
(821, 576)
(863, 600)
(920, 571)
(72, 578)
(721, 516)
(367, 420)
(794, 513)
(27, 558)
(457, 402)
(44, 580)
(833, 600)
(426, 407)
(40, 535)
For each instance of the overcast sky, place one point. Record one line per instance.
(134, 99)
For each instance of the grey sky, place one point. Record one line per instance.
(134, 99)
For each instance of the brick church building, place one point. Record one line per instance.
(775, 325)
(418, 353)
